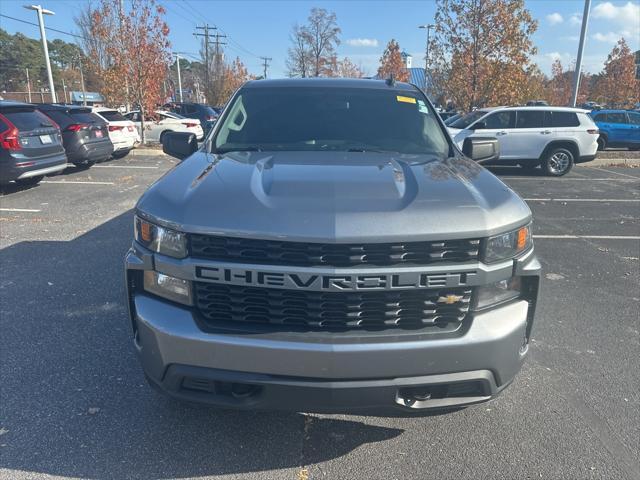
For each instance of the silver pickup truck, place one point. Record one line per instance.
(328, 248)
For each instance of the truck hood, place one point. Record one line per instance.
(333, 197)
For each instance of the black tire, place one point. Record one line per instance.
(602, 143)
(31, 181)
(558, 162)
(120, 154)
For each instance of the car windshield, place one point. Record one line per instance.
(173, 115)
(467, 119)
(331, 119)
(112, 115)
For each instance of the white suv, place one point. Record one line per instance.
(122, 132)
(554, 137)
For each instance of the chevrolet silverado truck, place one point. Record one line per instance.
(329, 248)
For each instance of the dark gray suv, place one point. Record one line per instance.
(30, 145)
(329, 248)
(85, 135)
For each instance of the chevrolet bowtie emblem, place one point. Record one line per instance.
(450, 299)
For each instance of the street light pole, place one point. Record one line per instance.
(43, 36)
(426, 58)
(583, 34)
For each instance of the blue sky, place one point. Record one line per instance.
(261, 28)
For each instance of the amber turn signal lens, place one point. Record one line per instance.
(523, 235)
(145, 231)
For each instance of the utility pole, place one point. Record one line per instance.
(217, 44)
(426, 58)
(43, 11)
(28, 85)
(177, 54)
(64, 90)
(265, 64)
(84, 94)
(583, 34)
(206, 29)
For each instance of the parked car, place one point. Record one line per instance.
(554, 137)
(164, 122)
(85, 135)
(591, 106)
(618, 128)
(447, 115)
(30, 144)
(122, 132)
(205, 113)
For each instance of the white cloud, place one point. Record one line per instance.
(555, 18)
(611, 37)
(627, 15)
(362, 42)
(575, 19)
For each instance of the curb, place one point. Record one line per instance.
(146, 152)
(612, 162)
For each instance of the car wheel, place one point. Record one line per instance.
(558, 162)
(602, 143)
(120, 154)
(31, 181)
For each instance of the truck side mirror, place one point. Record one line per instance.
(179, 144)
(481, 149)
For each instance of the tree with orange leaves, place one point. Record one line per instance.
(480, 53)
(136, 46)
(391, 63)
(617, 85)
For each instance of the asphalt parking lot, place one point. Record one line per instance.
(73, 401)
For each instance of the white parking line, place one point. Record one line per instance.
(592, 237)
(28, 210)
(580, 179)
(614, 172)
(581, 200)
(125, 166)
(78, 182)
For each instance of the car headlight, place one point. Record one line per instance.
(168, 287)
(498, 292)
(507, 245)
(160, 239)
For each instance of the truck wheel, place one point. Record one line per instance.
(558, 162)
(31, 181)
(602, 143)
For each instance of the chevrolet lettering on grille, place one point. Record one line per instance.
(334, 282)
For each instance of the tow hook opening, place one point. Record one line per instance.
(424, 396)
(239, 391)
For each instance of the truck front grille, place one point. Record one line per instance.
(304, 254)
(440, 310)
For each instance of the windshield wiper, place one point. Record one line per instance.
(370, 150)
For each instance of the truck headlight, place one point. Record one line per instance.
(507, 245)
(166, 286)
(498, 292)
(160, 239)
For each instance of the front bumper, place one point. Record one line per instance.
(325, 372)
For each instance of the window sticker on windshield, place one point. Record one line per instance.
(400, 98)
(422, 108)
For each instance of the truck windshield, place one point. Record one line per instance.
(331, 119)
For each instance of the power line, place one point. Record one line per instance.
(36, 25)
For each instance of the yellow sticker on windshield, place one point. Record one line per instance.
(400, 98)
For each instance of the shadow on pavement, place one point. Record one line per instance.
(73, 400)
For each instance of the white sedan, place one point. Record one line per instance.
(122, 132)
(163, 122)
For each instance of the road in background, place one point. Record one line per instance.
(73, 401)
